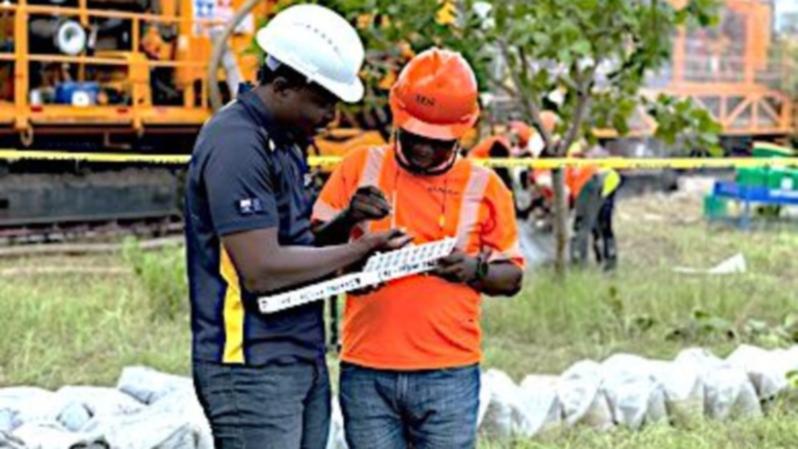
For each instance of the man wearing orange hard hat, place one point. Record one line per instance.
(411, 349)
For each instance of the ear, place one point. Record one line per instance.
(281, 87)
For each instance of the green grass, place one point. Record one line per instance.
(83, 329)
(646, 308)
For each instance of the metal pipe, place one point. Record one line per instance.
(218, 48)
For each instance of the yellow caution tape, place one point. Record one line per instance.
(329, 161)
(17, 155)
(641, 163)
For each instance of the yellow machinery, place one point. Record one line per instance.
(113, 75)
(101, 69)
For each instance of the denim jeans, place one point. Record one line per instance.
(275, 406)
(434, 409)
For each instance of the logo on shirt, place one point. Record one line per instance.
(249, 206)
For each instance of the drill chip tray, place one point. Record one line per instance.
(379, 268)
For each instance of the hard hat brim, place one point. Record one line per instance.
(348, 92)
(450, 131)
(351, 92)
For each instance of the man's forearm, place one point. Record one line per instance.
(335, 231)
(292, 265)
(502, 279)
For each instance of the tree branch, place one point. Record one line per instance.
(531, 108)
(504, 87)
(583, 100)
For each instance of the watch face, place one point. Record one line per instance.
(482, 268)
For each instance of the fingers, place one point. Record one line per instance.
(365, 208)
(367, 290)
(374, 196)
(448, 270)
(399, 242)
(455, 257)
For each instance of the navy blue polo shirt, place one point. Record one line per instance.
(245, 174)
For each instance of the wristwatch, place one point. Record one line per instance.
(483, 266)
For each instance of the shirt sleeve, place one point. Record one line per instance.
(338, 190)
(239, 187)
(500, 231)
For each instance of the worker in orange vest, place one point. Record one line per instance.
(591, 196)
(592, 191)
(512, 143)
(411, 349)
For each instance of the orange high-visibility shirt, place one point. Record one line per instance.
(482, 149)
(577, 177)
(422, 322)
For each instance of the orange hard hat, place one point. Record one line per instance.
(549, 120)
(436, 96)
(522, 130)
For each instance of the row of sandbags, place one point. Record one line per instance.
(149, 409)
(631, 391)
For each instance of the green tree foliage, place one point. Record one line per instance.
(595, 53)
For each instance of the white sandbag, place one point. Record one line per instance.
(53, 436)
(684, 391)
(730, 394)
(101, 401)
(148, 385)
(175, 421)
(506, 415)
(19, 405)
(635, 395)
(728, 391)
(699, 357)
(74, 416)
(583, 400)
(484, 400)
(6, 420)
(8, 441)
(185, 403)
(763, 368)
(336, 439)
(540, 404)
(148, 429)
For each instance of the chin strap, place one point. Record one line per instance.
(405, 163)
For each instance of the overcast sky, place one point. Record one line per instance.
(785, 6)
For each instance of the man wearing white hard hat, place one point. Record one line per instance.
(262, 379)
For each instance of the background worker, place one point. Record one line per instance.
(519, 141)
(262, 379)
(411, 349)
(592, 192)
(512, 143)
(591, 198)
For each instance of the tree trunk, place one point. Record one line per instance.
(560, 223)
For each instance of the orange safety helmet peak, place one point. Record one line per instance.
(436, 96)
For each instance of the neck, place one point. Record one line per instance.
(264, 94)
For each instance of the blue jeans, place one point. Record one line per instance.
(275, 406)
(434, 409)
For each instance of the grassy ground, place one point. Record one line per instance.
(83, 328)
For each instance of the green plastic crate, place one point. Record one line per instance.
(783, 179)
(766, 149)
(715, 207)
(753, 177)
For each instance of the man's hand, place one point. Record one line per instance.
(458, 267)
(386, 240)
(381, 241)
(368, 203)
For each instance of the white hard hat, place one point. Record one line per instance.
(320, 44)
